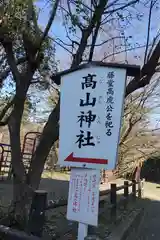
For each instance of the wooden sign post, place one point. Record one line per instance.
(91, 105)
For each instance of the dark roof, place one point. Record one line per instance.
(132, 70)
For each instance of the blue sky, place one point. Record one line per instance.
(138, 37)
(56, 31)
(136, 29)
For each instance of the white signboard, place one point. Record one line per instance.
(90, 117)
(83, 199)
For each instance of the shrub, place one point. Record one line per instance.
(151, 169)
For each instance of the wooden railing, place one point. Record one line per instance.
(39, 207)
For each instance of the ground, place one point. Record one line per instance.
(57, 187)
(55, 184)
(149, 227)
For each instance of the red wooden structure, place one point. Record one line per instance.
(31, 139)
(30, 142)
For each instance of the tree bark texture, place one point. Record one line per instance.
(21, 191)
(25, 185)
(49, 136)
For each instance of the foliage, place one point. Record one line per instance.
(151, 168)
(27, 108)
(27, 56)
(137, 142)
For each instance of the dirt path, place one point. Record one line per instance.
(56, 188)
(149, 227)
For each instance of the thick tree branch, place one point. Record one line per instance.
(51, 130)
(147, 71)
(35, 57)
(87, 32)
(5, 122)
(148, 31)
(2, 124)
(155, 39)
(99, 10)
(33, 16)
(4, 75)
(71, 16)
(11, 61)
(6, 108)
(94, 41)
(49, 24)
(128, 130)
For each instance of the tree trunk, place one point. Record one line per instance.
(49, 136)
(16, 156)
(51, 130)
(18, 169)
(20, 188)
(22, 196)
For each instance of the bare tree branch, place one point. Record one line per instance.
(147, 71)
(88, 45)
(112, 3)
(84, 5)
(122, 7)
(148, 31)
(139, 103)
(71, 16)
(131, 124)
(106, 41)
(49, 24)
(65, 26)
(87, 32)
(123, 51)
(60, 45)
(94, 41)
(67, 44)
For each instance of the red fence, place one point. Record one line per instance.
(1, 156)
(5, 164)
(30, 142)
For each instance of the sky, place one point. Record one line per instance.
(134, 57)
(56, 31)
(137, 31)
